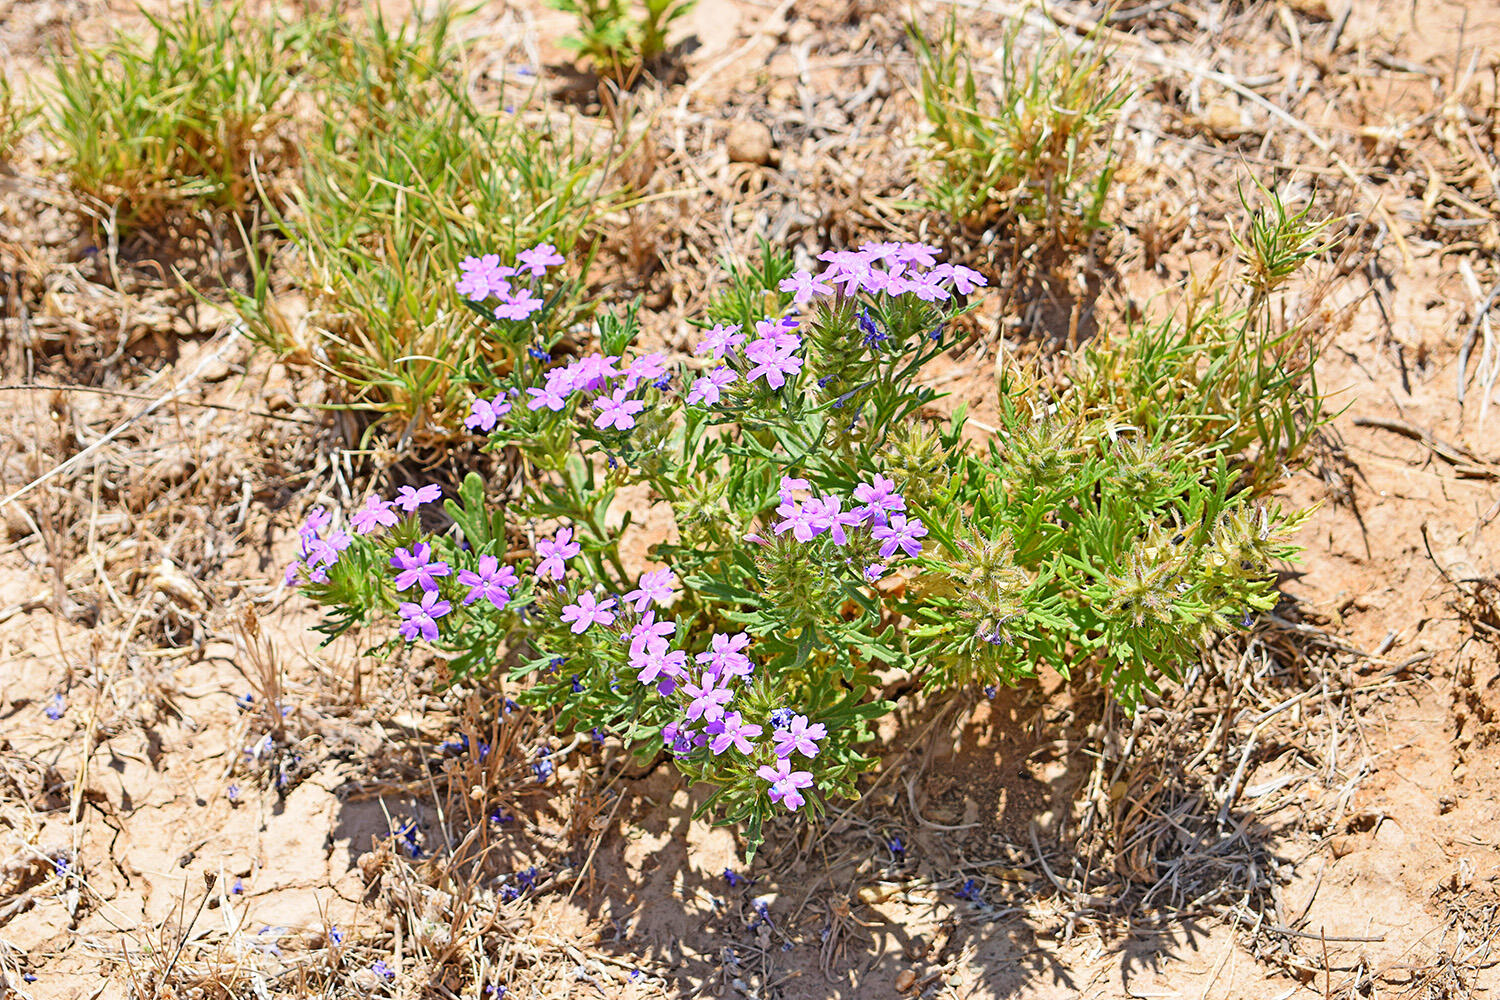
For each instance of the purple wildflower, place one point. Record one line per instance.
(720, 340)
(555, 552)
(707, 699)
(785, 783)
(409, 499)
(773, 362)
(416, 567)
(800, 737)
(654, 587)
(649, 633)
(900, 534)
(539, 258)
(734, 731)
(710, 388)
(879, 499)
(375, 513)
(491, 582)
(588, 610)
(421, 619)
(804, 285)
(617, 411)
(726, 657)
(485, 413)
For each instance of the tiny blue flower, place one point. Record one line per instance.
(335, 935)
(577, 687)
(57, 708)
(383, 971)
(733, 877)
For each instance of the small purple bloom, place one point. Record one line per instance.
(416, 567)
(485, 413)
(539, 258)
(383, 971)
(707, 699)
(733, 731)
(800, 737)
(409, 499)
(421, 619)
(804, 285)
(726, 657)
(374, 514)
(879, 499)
(720, 340)
(900, 534)
(555, 552)
(617, 411)
(588, 610)
(491, 582)
(654, 587)
(709, 389)
(57, 708)
(786, 783)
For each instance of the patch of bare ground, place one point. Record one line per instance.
(199, 800)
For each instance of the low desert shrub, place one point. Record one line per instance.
(827, 526)
(1033, 153)
(184, 121)
(618, 38)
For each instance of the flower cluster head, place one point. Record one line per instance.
(485, 278)
(892, 269)
(318, 552)
(877, 509)
(420, 620)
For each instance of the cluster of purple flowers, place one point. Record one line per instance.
(317, 552)
(892, 269)
(879, 507)
(771, 356)
(706, 691)
(484, 277)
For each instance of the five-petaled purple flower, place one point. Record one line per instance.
(421, 619)
(720, 340)
(375, 513)
(654, 587)
(879, 499)
(491, 582)
(733, 731)
(799, 736)
(555, 552)
(709, 389)
(409, 499)
(416, 567)
(900, 534)
(804, 285)
(617, 411)
(539, 258)
(726, 657)
(707, 699)
(588, 610)
(785, 783)
(485, 413)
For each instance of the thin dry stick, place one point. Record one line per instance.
(127, 423)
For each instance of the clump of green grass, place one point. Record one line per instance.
(618, 38)
(184, 121)
(1035, 152)
(405, 177)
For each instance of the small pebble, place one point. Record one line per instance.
(749, 142)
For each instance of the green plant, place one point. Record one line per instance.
(16, 116)
(184, 122)
(406, 176)
(619, 37)
(1035, 154)
(827, 525)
